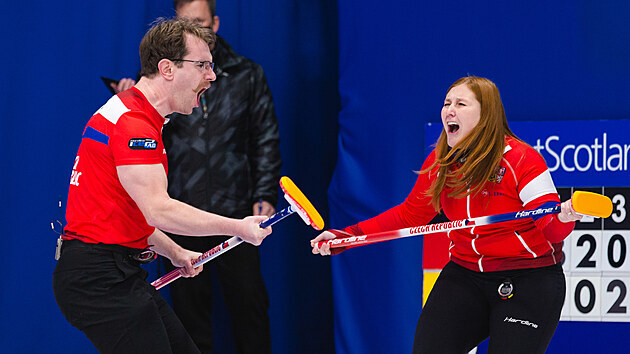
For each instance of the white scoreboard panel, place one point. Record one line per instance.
(596, 262)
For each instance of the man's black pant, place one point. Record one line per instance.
(104, 294)
(244, 293)
(464, 308)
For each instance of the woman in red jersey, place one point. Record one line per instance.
(503, 281)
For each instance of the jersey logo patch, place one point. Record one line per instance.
(498, 177)
(142, 144)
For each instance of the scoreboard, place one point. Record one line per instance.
(592, 156)
(596, 262)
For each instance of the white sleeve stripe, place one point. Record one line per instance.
(539, 186)
(113, 109)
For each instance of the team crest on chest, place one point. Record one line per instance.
(498, 177)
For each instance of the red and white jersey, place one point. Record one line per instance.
(127, 130)
(522, 182)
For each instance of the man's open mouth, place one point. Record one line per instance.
(199, 94)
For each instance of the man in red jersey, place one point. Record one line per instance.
(118, 202)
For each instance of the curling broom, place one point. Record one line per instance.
(585, 203)
(298, 203)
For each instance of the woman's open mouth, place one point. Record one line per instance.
(452, 127)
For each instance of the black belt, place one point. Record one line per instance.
(142, 256)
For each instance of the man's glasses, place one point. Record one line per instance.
(206, 65)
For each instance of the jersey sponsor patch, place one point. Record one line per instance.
(142, 144)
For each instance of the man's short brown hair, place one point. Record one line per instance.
(166, 40)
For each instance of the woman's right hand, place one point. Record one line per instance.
(324, 236)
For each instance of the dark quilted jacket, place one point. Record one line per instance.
(225, 155)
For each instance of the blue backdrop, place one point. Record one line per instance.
(392, 63)
(55, 52)
(558, 60)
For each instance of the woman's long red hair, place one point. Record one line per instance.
(465, 167)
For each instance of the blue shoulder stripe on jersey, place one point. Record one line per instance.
(95, 135)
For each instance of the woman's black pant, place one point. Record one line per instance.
(465, 307)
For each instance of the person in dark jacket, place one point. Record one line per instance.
(225, 158)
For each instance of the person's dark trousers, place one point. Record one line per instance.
(105, 295)
(243, 290)
(464, 308)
